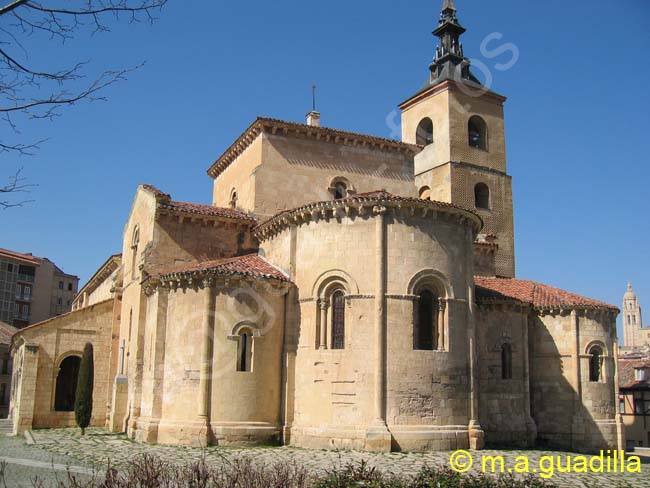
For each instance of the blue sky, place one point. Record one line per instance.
(576, 118)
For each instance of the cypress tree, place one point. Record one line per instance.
(83, 403)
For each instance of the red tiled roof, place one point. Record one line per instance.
(539, 295)
(626, 376)
(158, 193)
(165, 201)
(26, 258)
(249, 265)
(209, 210)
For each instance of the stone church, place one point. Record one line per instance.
(342, 291)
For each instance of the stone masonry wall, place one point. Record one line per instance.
(57, 339)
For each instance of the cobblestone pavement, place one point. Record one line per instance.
(99, 447)
(25, 463)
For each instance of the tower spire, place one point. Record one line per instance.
(449, 61)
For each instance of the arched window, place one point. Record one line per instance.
(477, 132)
(482, 196)
(233, 198)
(338, 319)
(340, 187)
(66, 384)
(340, 190)
(134, 251)
(425, 193)
(425, 334)
(595, 363)
(424, 132)
(506, 361)
(245, 350)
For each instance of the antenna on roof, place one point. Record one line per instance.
(313, 117)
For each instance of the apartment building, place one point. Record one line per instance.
(33, 289)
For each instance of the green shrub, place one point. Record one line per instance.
(83, 402)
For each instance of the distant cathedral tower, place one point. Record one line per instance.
(460, 122)
(634, 334)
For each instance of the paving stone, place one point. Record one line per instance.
(100, 447)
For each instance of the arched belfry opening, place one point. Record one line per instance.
(482, 196)
(477, 133)
(66, 384)
(424, 132)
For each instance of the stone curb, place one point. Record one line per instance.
(29, 438)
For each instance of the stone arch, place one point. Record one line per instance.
(232, 200)
(424, 132)
(331, 291)
(482, 196)
(424, 193)
(245, 324)
(432, 278)
(598, 343)
(245, 334)
(431, 291)
(477, 133)
(135, 242)
(341, 187)
(329, 278)
(65, 384)
(596, 352)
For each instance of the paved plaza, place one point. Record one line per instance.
(56, 449)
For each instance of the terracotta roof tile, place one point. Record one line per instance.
(209, 210)
(251, 265)
(158, 193)
(626, 376)
(539, 295)
(165, 201)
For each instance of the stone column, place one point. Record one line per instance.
(289, 349)
(378, 438)
(577, 427)
(23, 406)
(620, 426)
(531, 427)
(323, 323)
(442, 307)
(207, 338)
(476, 433)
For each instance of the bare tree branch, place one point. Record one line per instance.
(29, 93)
(8, 8)
(16, 184)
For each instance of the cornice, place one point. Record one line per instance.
(293, 129)
(365, 207)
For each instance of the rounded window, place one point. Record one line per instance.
(477, 132)
(424, 132)
(482, 196)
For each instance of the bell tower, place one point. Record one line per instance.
(459, 123)
(633, 335)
